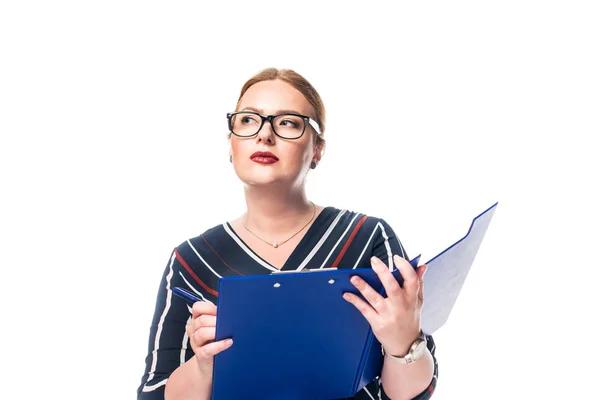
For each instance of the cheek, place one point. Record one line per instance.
(304, 151)
(299, 155)
(235, 145)
(241, 149)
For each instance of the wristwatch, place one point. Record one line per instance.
(416, 351)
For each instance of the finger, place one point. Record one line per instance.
(203, 320)
(204, 335)
(421, 277)
(373, 298)
(203, 307)
(421, 271)
(392, 288)
(207, 320)
(365, 309)
(210, 350)
(411, 280)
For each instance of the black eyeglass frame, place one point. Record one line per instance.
(270, 118)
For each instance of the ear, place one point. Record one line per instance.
(317, 156)
(318, 152)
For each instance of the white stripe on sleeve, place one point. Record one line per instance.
(387, 246)
(184, 342)
(202, 259)
(155, 386)
(338, 242)
(365, 248)
(161, 321)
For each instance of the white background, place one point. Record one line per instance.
(113, 151)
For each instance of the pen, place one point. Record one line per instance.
(190, 297)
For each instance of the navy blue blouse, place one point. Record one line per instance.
(340, 238)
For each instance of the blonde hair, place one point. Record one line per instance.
(299, 83)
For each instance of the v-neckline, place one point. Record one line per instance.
(285, 267)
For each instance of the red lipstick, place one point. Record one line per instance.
(264, 157)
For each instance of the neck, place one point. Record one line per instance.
(276, 211)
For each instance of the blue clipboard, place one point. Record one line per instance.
(295, 337)
(447, 272)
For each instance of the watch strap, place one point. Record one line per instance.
(412, 355)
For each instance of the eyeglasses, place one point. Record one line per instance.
(286, 126)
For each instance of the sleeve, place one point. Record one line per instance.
(168, 342)
(385, 246)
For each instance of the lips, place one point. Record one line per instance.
(264, 157)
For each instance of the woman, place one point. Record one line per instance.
(276, 137)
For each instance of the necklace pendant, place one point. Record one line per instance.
(275, 245)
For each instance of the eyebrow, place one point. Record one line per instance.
(258, 110)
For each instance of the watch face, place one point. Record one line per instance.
(421, 347)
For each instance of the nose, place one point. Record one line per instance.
(266, 134)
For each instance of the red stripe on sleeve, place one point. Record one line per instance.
(189, 270)
(347, 244)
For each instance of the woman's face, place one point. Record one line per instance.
(293, 155)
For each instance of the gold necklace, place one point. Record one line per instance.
(275, 244)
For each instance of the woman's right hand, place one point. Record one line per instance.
(201, 332)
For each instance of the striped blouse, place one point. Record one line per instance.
(340, 238)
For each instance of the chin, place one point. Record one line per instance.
(263, 179)
(258, 179)
(258, 175)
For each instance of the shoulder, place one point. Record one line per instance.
(369, 234)
(364, 220)
(191, 247)
(371, 228)
(374, 224)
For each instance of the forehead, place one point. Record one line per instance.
(272, 96)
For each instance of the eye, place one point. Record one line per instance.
(248, 119)
(289, 123)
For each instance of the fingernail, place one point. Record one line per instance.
(375, 263)
(354, 280)
(346, 296)
(228, 342)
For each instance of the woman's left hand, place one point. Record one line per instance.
(395, 320)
